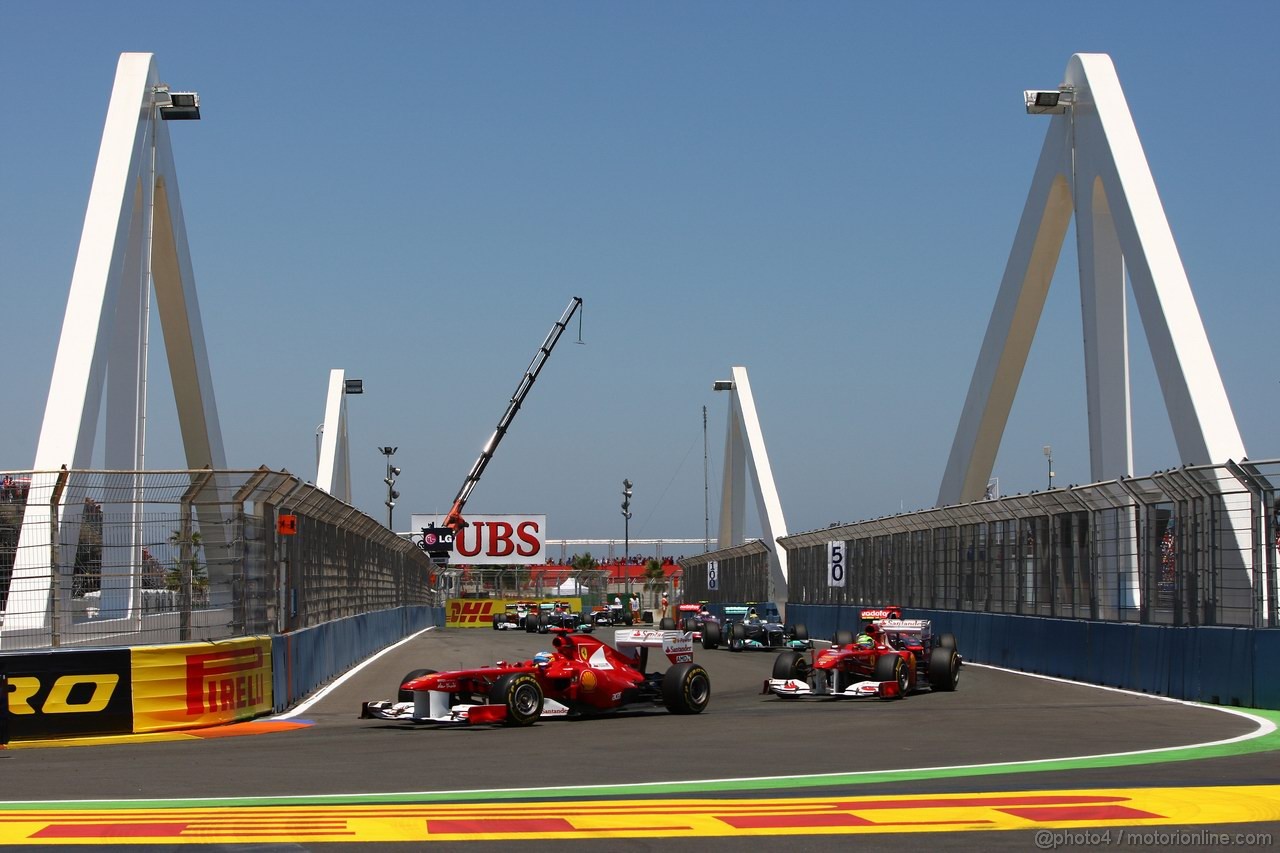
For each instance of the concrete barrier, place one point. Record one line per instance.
(303, 660)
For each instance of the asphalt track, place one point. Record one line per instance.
(932, 763)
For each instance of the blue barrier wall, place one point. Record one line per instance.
(1222, 666)
(303, 660)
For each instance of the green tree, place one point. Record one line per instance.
(199, 574)
(586, 570)
(655, 581)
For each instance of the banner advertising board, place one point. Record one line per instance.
(68, 693)
(200, 684)
(479, 612)
(494, 540)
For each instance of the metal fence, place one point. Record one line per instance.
(741, 573)
(1195, 545)
(127, 558)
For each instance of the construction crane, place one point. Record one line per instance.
(442, 536)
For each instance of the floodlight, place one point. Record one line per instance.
(722, 385)
(180, 106)
(1048, 101)
(353, 386)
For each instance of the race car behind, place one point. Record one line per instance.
(747, 628)
(891, 658)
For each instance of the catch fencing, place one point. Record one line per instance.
(124, 558)
(1190, 546)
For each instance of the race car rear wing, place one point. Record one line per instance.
(636, 642)
(920, 629)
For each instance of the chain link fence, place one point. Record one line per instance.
(109, 558)
(1195, 545)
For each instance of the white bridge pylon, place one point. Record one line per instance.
(333, 468)
(743, 445)
(1092, 165)
(133, 235)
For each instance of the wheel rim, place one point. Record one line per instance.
(525, 700)
(699, 690)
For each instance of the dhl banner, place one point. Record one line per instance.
(479, 612)
(200, 684)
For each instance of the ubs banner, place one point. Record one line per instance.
(200, 684)
(494, 540)
(68, 694)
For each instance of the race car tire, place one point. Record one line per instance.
(711, 635)
(667, 624)
(946, 641)
(629, 621)
(737, 636)
(521, 694)
(531, 624)
(407, 695)
(893, 668)
(944, 669)
(843, 637)
(686, 689)
(496, 618)
(800, 632)
(690, 624)
(789, 665)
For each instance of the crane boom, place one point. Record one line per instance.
(454, 520)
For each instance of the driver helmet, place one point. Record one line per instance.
(542, 658)
(865, 639)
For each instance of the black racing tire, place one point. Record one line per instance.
(800, 632)
(843, 637)
(944, 669)
(892, 667)
(403, 695)
(711, 635)
(667, 624)
(497, 617)
(737, 636)
(686, 689)
(628, 620)
(521, 694)
(531, 624)
(789, 665)
(690, 624)
(946, 641)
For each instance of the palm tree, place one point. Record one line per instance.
(586, 567)
(655, 581)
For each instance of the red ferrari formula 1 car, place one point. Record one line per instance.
(889, 659)
(583, 676)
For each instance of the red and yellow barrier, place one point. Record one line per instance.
(200, 684)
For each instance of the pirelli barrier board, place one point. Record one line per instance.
(200, 684)
(68, 693)
(81, 693)
(479, 612)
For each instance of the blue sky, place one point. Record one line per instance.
(825, 193)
